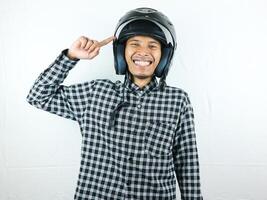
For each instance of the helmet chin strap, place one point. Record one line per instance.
(122, 103)
(162, 83)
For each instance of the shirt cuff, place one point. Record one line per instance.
(66, 58)
(64, 63)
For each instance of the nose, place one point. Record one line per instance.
(143, 51)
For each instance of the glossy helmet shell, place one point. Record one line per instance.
(147, 22)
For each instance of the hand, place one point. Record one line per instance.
(85, 48)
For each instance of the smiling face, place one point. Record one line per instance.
(142, 54)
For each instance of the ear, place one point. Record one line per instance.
(119, 59)
(164, 63)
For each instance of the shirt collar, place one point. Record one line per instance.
(135, 88)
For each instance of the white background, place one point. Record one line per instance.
(220, 61)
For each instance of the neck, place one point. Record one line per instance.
(141, 82)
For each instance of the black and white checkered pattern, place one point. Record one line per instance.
(152, 137)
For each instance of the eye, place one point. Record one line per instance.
(134, 44)
(152, 46)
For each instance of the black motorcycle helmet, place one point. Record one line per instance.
(147, 22)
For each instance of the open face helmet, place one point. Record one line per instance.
(146, 22)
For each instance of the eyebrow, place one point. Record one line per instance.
(136, 40)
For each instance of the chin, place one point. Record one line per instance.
(142, 76)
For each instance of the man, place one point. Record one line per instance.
(138, 134)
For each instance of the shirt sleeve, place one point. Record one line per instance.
(186, 156)
(48, 94)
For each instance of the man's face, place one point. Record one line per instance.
(142, 55)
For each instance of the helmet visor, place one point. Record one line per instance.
(143, 27)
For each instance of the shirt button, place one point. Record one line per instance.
(139, 106)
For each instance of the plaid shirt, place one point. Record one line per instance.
(134, 140)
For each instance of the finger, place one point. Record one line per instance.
(106, 41)
(88, 45)
(93, 46)
(83, 41)
(94, 53)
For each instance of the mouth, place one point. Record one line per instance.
(142, 63)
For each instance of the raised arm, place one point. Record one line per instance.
(48, 94)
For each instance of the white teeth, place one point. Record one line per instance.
(142, 63)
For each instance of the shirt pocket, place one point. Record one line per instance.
(159, 138)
